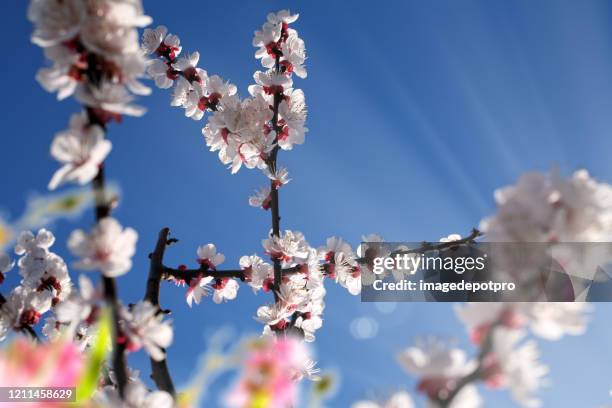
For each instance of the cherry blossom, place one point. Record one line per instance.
(207, 95)
(111, 98)
(198, 288)
(91, 46)
(275, 29)
(163, 74)
(143, 326)
(237, 132)
(81, 306)
(273, 316)
(161, 43)
(209, 257)
(439, 367)
(42, 271)
(514, 366)
(23, 308)
(55, 22)
(279, 176)
(341, 264)
(292, 116)
(550, 321)
(294, 55)
(81, 149)
(224, 289)
(289, 248)
(201, 285)
(261, 198)
(548, 208)
(258, 274)
(108, 247)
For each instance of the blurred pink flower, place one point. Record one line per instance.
(271, 371)
(26, 364)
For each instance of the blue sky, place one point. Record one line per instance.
(417, 112)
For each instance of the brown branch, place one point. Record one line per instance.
(29, 330)
(102, 210)
(159, 369)
(274, 205)
(186, 275)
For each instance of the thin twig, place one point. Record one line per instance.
(429, 246)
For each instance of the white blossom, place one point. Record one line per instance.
(294, 55)
(81, 149)
(548, 208)
(267, 38)
(42, 270)
(515, 367)
(207, 95)
(269, 83)
(224, 289)
(93, 49)
(290, 247)
(23, 307)
(292, 116)
(258, 274)
(160, 42)
(143, 326)
(108, 247)
(199, 287)
(113, 98)
(54, 21)
(279, 176)
(550, 321)
(163, 74)
(261, 198)
(208, 256)
(80, 305)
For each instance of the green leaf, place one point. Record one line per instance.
(95, 359)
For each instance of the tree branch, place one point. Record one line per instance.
(29, 330)
(274, 205)
(103, 209)
(187, 274)
(428, 246)
(159, 369)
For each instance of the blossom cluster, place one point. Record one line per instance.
(300, 295)
(45, 282)
(545, 207)
(242, 131)
(94, 54)
(507, 359)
